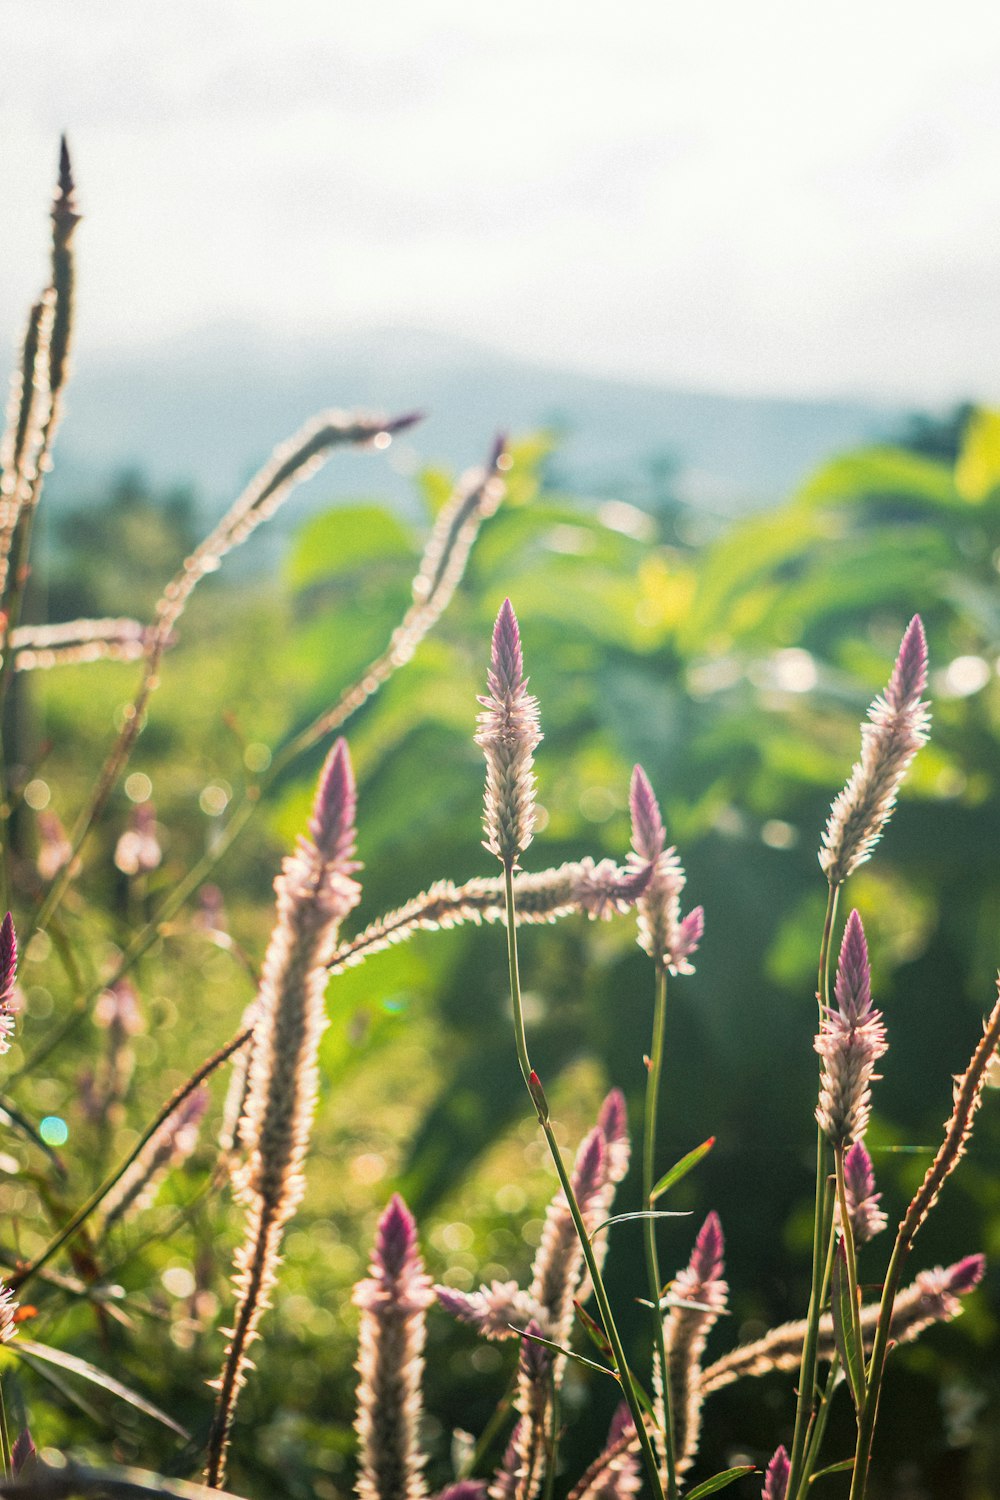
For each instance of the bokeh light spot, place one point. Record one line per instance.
(54, 1131)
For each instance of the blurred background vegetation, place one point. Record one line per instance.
(734, 659)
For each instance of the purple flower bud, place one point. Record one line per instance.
(612, 1121)
(966, 1274)
(867, 1219)
(8, 960)
(24, 1453)
(395, 1240)
(709, 1249)
(776, 1478)
(853, 986)
(648, 835)
(332, 822)
(8, 980)
(909, 675)
(465, 1489)
(589, 1168)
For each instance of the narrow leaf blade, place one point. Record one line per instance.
(646, 1213)
(75, 1366)
(589, 1364)
(844, 1467)
(720, 1481)
(681, 1168)
(851, 1356)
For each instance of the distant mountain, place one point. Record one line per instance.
(206, 409)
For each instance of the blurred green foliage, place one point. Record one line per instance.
(734, 661)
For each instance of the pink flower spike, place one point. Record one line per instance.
(709, 1249)
(689, 934)
(851, 1040)
(898, 724)
(395, 1240)
(909, 675)
(776, 1478)
(867, 1219)
(966, 1274)
(331, 825)
(853, 986)
(648, 834)
(508, 734)
(8, 960)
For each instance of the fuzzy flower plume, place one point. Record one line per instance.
(933, 1297)
(898, 725)
(8, 981)
(663, 934)
(615, 1473)
(867, 1219)
(393, 1302)
(850, 1042)
(315, 891)
(508, 734)
(686, 1330)
(967, 1095)
(776, 1478)
(599, 889)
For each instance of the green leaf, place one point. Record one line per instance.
(844, 1467)
(646, 1213)
(594, 1330)
(75, 1366)
(681, 1168)
(589, 1364)
(54, 1480)
(720, 1481)
(851, 1355)
(345, 539)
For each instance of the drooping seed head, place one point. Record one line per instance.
(508, 734)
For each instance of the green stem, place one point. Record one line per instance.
(821, 1233)
(520, 1041)
(536, 1092)
(848, 1234)
(876, 1369)
(649, 1225)
(5, 1451)
(820, 1423)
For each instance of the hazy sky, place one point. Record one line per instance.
(785, 197)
